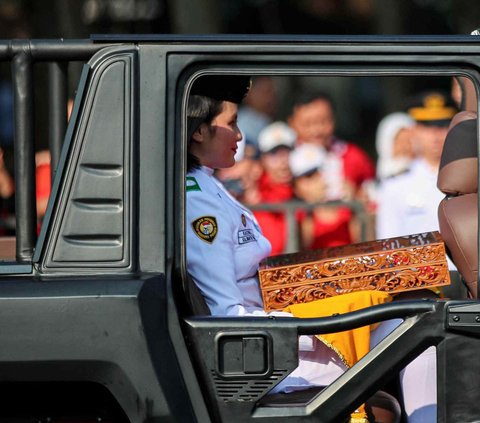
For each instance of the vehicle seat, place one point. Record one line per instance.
(194, 298)
(458, 212)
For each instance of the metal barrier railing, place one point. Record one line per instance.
(22, 55)
(292, 206)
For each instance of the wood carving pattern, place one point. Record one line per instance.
(390, 271)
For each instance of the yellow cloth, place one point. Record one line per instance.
(350, 345)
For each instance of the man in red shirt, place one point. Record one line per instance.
(348, 171)
(348, 166)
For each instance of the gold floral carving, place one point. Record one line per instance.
(390, 271)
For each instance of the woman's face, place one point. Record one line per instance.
(216, 145)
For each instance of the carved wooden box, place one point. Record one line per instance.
(391, 265)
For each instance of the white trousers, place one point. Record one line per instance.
(418, 380)
(322, 366)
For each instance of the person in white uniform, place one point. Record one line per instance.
(408, 202)
(224, 241)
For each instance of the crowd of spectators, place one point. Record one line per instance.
(43, 173)
(310, 189)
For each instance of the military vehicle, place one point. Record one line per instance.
(98, 319)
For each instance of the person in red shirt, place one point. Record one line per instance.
(275, 185)
(7, 198)
(322, 226)
(43, 184)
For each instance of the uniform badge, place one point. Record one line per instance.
(244, 220)
(191, 184)
(206, 228)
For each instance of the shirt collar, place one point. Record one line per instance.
(209, 171)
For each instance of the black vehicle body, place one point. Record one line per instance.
(94, 311)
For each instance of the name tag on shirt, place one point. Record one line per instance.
(245, 236)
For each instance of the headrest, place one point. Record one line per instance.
(468, 91)
(458, 164)
(460, 117)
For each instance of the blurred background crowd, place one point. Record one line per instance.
(310, 188)
(325, 161)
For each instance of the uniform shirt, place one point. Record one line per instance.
(408, 203)
(224, 247)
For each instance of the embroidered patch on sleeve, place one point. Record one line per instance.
(191, 184)
(206, 228)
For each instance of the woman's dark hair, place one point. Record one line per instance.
(200, 109)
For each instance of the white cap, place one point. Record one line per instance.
(306, 158)
(277, 134)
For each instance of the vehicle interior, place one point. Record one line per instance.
(246, 393)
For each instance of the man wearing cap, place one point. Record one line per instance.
(275, 185)
(407, 203)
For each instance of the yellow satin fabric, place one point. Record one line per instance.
(350, 345)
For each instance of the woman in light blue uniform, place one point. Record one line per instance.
(224, 242)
